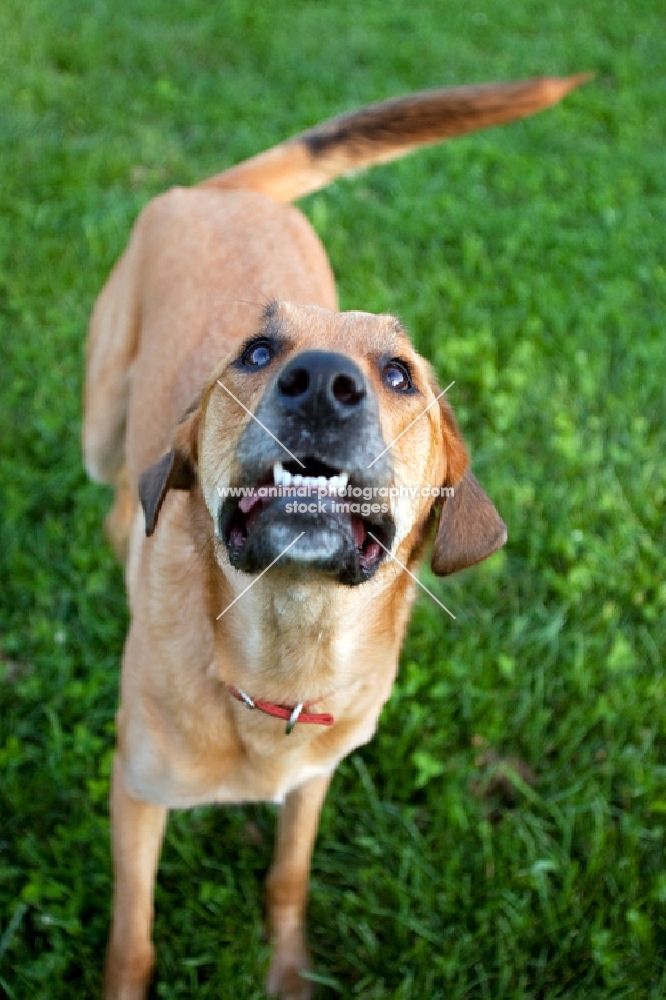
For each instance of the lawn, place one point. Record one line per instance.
(503, 836)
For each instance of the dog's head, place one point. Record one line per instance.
(324, 441)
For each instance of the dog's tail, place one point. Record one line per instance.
(386, 131)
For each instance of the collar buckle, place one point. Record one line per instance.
(293, 718)
(245, 698)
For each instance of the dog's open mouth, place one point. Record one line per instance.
(344, 527)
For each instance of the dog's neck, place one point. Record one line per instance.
(288, 636)
(300, 638)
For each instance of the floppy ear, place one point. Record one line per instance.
(469, 529)
(176, 470)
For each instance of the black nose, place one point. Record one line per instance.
(320, 383)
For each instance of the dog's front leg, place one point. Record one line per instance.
(137, 832)
(287, 888)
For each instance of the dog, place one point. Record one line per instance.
(265, 632)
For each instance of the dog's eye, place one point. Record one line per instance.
(396, 375)
(258, 354)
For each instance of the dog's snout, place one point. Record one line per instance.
(321, 382)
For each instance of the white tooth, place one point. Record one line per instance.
(297, 480)
(277, 473)
(286, 478)
(321, 482)
(334, 484)
(343, 478)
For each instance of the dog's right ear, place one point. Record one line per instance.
(176, 470)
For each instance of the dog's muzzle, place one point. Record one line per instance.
(309, 497)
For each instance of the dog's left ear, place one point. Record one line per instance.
(176, 470)
(469, 529)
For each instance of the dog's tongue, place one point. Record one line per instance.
(358, 531)
(247, 503)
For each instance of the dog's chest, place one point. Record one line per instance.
(228, 752)
(259, 784)
(262, 767)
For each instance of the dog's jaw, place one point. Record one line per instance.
(310, 520)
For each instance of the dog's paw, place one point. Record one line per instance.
(290, 959)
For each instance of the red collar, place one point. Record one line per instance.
(291, 713)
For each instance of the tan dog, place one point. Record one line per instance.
(217, 360)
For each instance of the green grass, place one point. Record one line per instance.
(528, 263)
